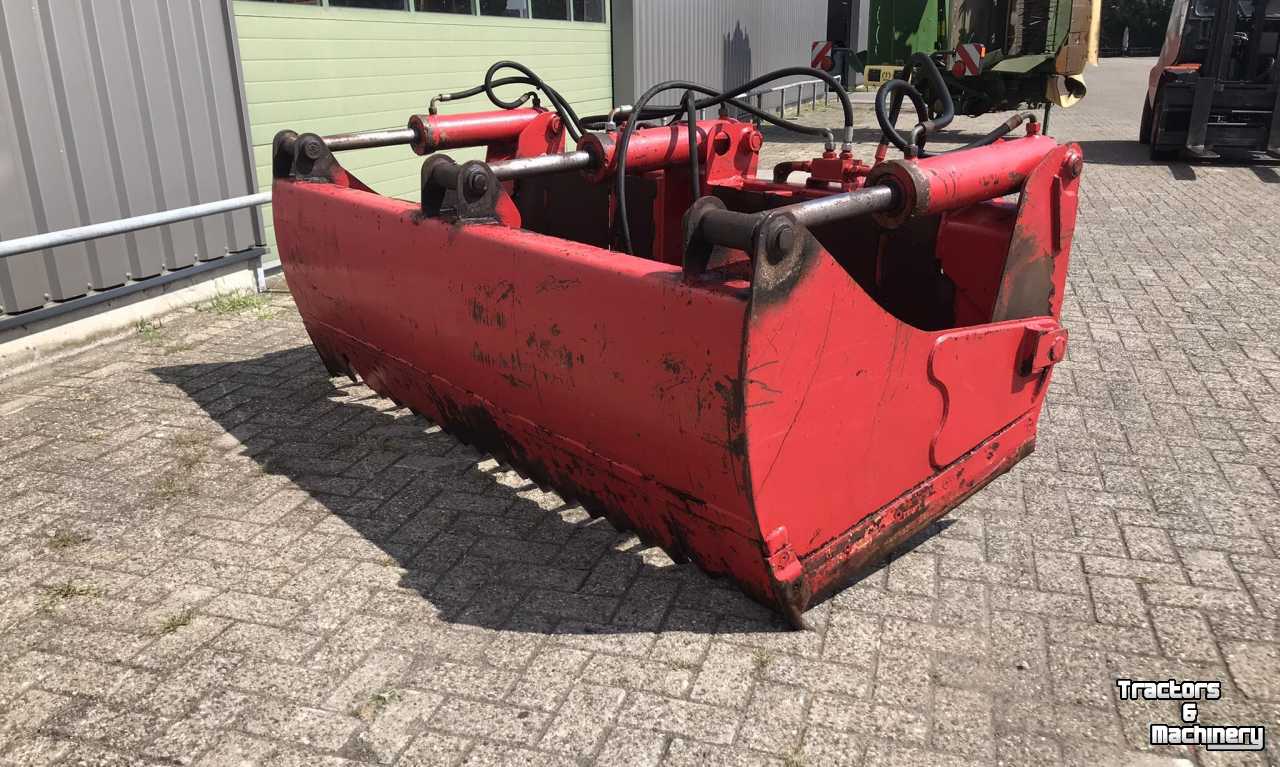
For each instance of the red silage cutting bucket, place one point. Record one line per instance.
(780, 391)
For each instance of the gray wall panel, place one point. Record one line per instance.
(167, 155)
(23, 281)
(716, 42)
(44, 160)
(76, 97)
(122, 122)
(227, 149)
(114, 108)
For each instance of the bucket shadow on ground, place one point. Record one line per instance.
(480, 543)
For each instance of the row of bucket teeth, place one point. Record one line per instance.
(506, 458)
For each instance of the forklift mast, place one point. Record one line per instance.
(1216, 86)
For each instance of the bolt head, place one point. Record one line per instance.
(1059, 350)
(1073, 166)
(781, 241)
(477, 183)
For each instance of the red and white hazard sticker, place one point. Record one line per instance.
(820, 55)
(968, 60)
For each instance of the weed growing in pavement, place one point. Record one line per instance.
(376, 702)
(176, 621)
(238, 303)
(150, 331)
(65, 539)
(68, 590)
(761, 659)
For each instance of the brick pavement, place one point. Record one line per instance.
(214, 554)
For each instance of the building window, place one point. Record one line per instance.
(382, 5)
(559, 10)
(515, 8)
(443, 6)
(551, 9)
(588, 10)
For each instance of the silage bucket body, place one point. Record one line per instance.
(786, 424)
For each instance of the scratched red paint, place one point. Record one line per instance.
(777, 424)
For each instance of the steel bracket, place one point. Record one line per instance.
(467, 192)
(1049, 348)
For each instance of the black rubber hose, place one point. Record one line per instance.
(890, 95)
(572, 123)
(624, 138)
(925, 64)
(717, 98)
(658, 113)
(694, 171)
(845, 103)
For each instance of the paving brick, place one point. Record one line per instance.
(433, 749)
(698, 721)
(633, 747)
(236, 748)
(463, 679)
(636, 674)
(300, 724)
(1197, 597)
(548, 678)
(253, 639)
(582, 721)
(962, 722)
(492, 755)
(394, 717)
(775, 719)
(303, 686)
(686, 753)
(1255, 667)
(498, 722)
(1184, 634)
(726, 675)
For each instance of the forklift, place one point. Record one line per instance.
(1215, 91)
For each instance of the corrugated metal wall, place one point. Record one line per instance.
(719, 43)
(113, 108)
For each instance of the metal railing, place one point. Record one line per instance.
(799, 86)
(759, 95)
(47, 240)
(71, 236)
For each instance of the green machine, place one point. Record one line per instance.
(994, 56)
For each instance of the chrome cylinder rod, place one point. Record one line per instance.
(521, 167)
(735, 229)
(836, 207)
(370, 139)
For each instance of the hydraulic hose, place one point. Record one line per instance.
(572, 123)
(716, 98)
(693, 143)
(890, 95)
(576, 126)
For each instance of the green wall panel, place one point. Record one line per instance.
(332, 70)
